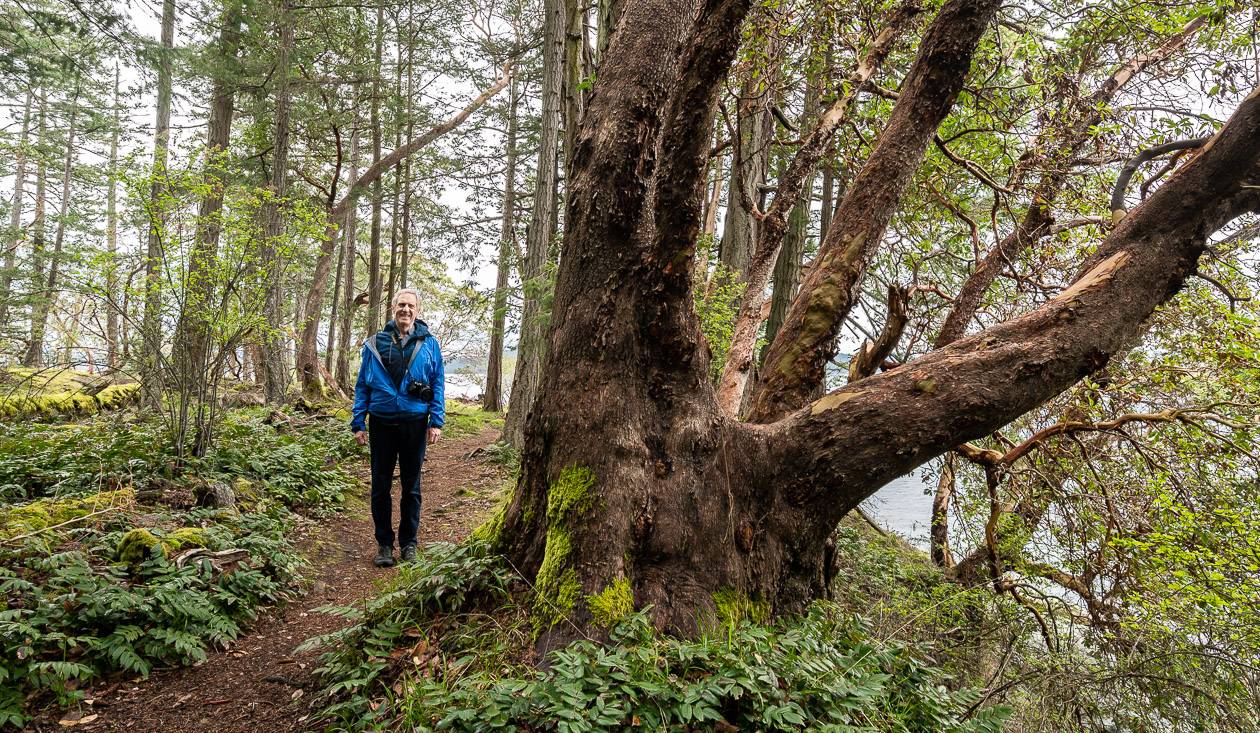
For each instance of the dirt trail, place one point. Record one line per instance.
(261, 683)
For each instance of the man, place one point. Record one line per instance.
(400, 385)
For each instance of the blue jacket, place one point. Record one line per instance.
(376, 394)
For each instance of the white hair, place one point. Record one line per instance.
(393, 302)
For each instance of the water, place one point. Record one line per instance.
(902, 507)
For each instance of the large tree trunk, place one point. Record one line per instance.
(493, 398)
(542, 225)
(39, 314)
(15, 216)
(632, 478)
(151, 323)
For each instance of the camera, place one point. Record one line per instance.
(420, 390)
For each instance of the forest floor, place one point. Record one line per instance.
(261, 683)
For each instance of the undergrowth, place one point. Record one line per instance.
(101, 593)
(75, 613)
(427, 655)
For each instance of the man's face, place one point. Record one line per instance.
(405, 311)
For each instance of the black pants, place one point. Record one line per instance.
(402, 443)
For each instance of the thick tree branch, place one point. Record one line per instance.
(774, 224)
(419, 142)
(1126, 172)
(795, 360)
(873, 353)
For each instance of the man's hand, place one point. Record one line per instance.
(361, 436)
(434, 435)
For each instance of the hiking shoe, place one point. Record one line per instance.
(384, 557)
(408, 553)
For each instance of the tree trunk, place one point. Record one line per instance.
(574, 73)
(151, 335)
(39, 222)
(749, 163)
(192, 336)
(275, 367)
(350, 253)
(393, 282)
(493, 398)
(533, 341)
(331, 344)
(39, 313)
(113, 305)
(372, 322)
(15, 216)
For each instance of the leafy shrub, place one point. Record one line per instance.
(443, 578)
(820, 672)
(39, 460)
(74, 615)
(412, 662)
(297, 465)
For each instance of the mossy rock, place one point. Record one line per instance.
(183, 538)
(136, 546)
(75, 403)
(45, 513)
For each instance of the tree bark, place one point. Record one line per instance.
(113, 305)
(275, 367)
(192, 336)
(533, 341)
(350, 253)
(749, 162)
(151, 335)
(15, 216)
(39, 312)
(492, 401)
(795, 360)
(372, 320)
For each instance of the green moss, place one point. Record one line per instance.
(570, 493)
(134, 547)
(610, 606)
(77, 402)
(733, 607)
(183, 538)
(490, 531)
(556, 588)
(45, 513)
